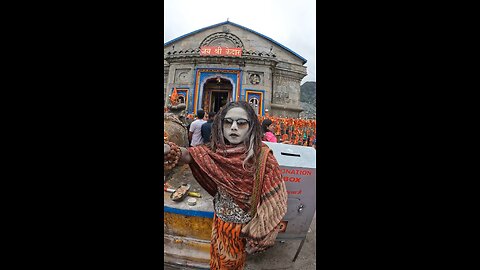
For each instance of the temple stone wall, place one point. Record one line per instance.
(265, 65)
(251, 42)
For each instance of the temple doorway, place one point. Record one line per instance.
(217, 92)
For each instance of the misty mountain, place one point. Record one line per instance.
(308, 92)
(308, 99)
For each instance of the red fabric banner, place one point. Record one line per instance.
(223, 51)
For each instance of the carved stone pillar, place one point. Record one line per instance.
(286, 91)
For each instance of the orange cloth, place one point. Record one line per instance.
(227, 248)
(223, 168)
(174, 97)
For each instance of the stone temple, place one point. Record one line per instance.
(227, 62)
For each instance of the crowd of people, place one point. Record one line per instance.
(199, 131)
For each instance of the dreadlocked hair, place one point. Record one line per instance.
(253, 141)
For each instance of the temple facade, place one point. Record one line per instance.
(228, 62)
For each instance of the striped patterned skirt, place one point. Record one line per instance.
(227, 250)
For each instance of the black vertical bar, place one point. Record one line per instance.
(299, 248)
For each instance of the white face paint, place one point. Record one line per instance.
(235, 125)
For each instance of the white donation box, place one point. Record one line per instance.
(298, 166)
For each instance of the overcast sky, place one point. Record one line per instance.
(290, 23)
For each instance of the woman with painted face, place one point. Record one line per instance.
(243, 176)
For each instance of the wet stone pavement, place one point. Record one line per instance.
(281, 255)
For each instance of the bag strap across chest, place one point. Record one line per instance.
(259, 177)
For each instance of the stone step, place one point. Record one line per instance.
(186, 252)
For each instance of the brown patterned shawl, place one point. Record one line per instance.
(224, 169)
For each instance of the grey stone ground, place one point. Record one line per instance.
(281, 255)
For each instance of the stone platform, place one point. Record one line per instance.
(187, 229)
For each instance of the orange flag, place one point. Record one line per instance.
(174, 97)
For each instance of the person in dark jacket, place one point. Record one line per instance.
(207, 128)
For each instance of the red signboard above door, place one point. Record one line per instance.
(223, 51)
